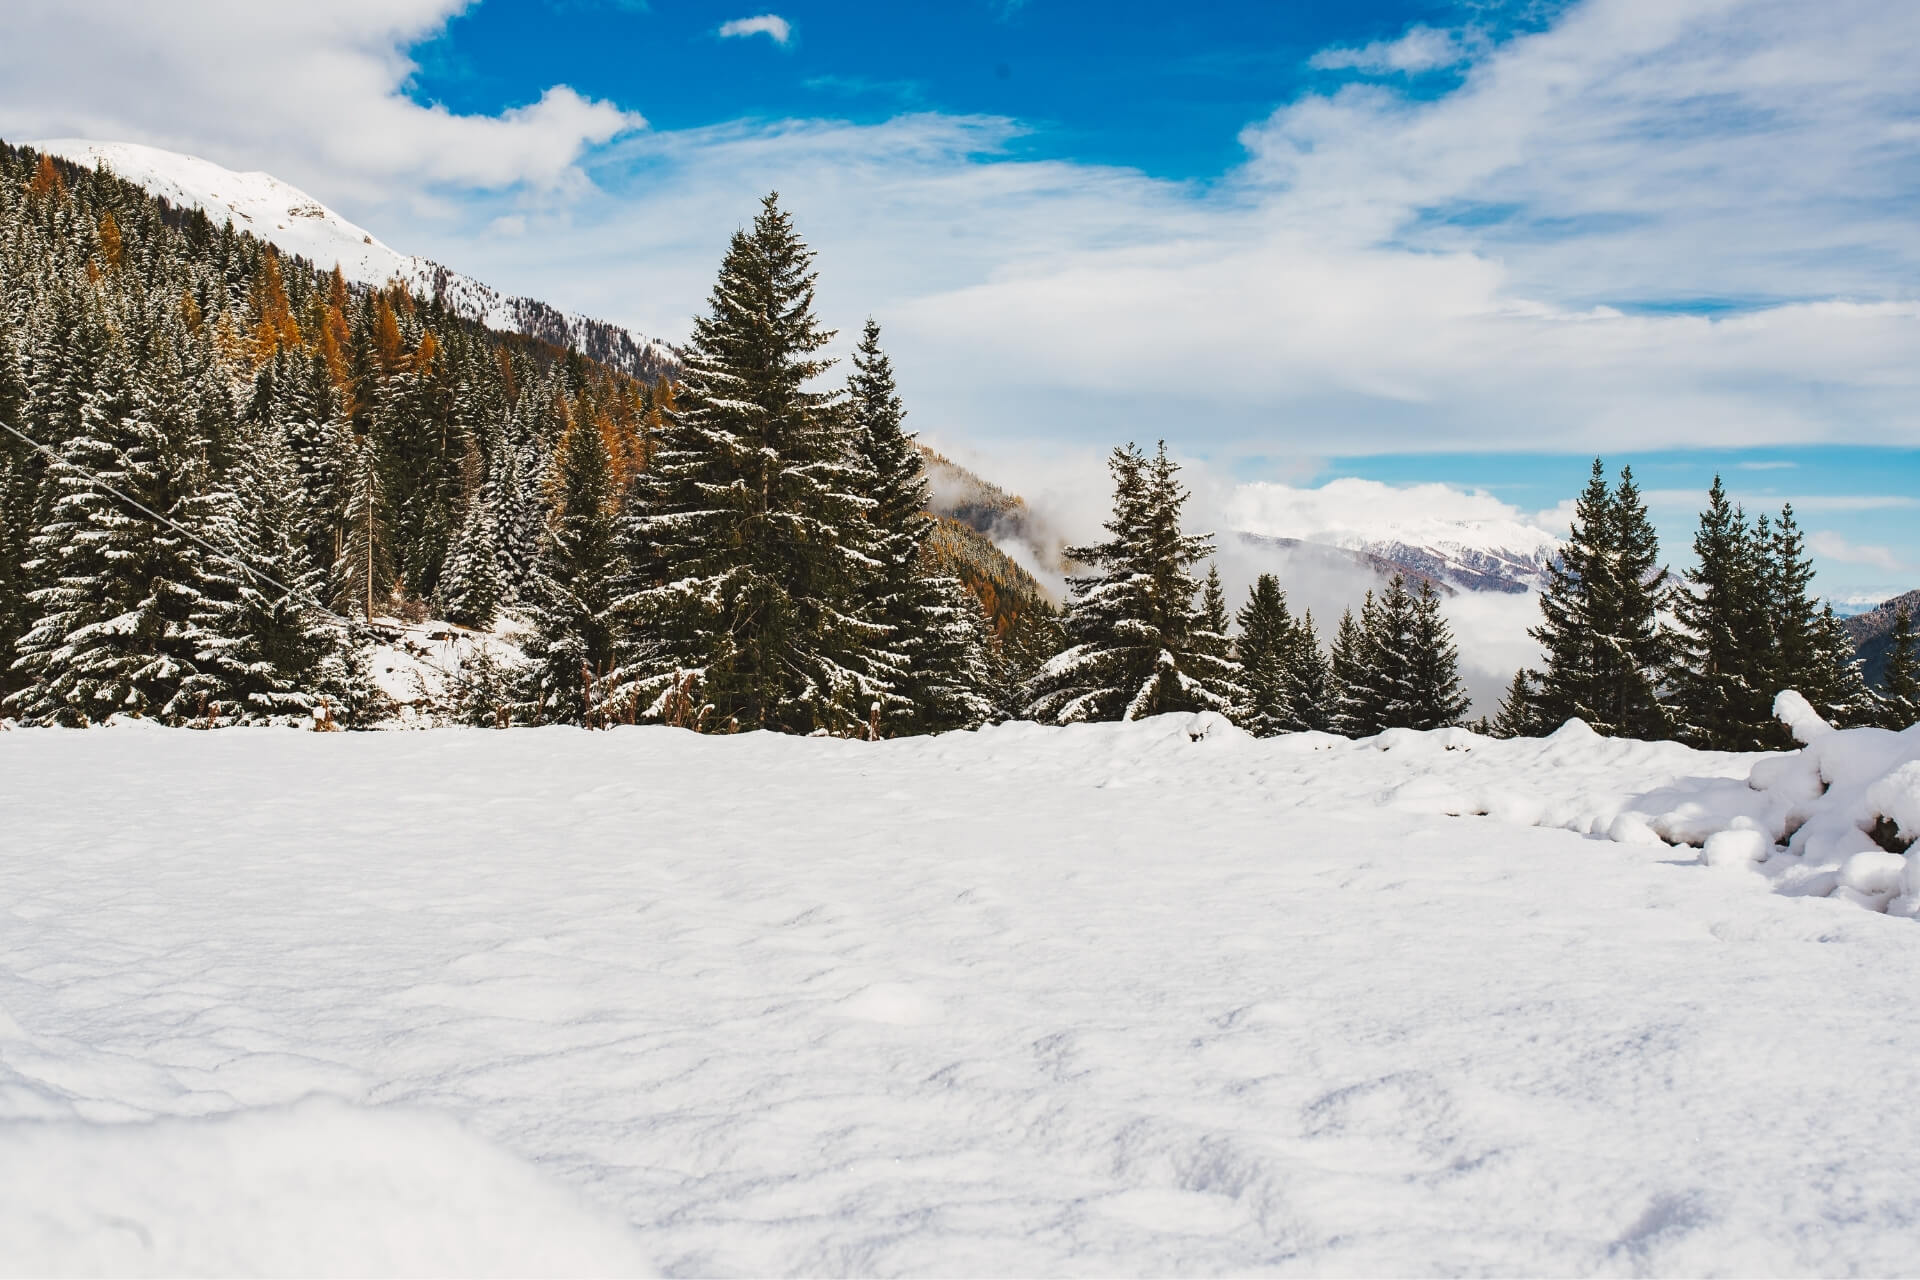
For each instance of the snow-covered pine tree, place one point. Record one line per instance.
(750, 582)
(1599, 630)
(927, 645)
(1516, 716)
(1898, 698)
(362, 577)
(1836, 684)
(1309, 678)
(1016, 657)
(1720, 671)
(259, 633)
(1132, 628)
(569, 674)
(1436, 699)
(1354, 711)
(1265, 648)
(21, 469)
(470, 588)
(112, 633)
(1391, 627)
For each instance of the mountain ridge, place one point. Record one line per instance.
(294, 222)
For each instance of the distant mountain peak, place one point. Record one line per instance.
(296, 223)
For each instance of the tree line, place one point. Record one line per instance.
(1639, 652)
(236, 466)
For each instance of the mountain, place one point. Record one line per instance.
(1476, 544)
(1870, 631)
(296, 223)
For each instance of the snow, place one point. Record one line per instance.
(1148, 998)
(1455, 529)
(296, 223)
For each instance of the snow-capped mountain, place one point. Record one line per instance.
(296, 223)
(1471, 541)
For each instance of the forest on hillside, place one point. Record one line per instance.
(225, 471)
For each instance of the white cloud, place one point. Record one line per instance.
(1834, 547)
(314, 93)
(1422, 48)
(771, 25)
(1349, 511)
(1385, 272)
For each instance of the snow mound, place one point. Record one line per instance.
(1835, 819)
(319, 1187)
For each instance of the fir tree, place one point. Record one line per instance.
(1898, 697)
(1266, 650)
(927, 644)
(569, 673)
(1016, 657)
(259, 632)
(1516, 716)
(470, 588)
(1599, 630)
(120, 585)
(1354, 708)
(743, 576)
(363, 568)
(1435, 697)
(1309, 678)
(1137, 645)
(1719, 679)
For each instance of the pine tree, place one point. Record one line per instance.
(1265, 648)
(1720, 673)
(927, 643)
(1016, 657)
(1516, 716)
(569, 674)
(1309, 680)
(470, 587)
(1354, 707)
(112, 631)
(1435, 698)
(1898, 697)
(743, 576)
(1136, 642)
(1603, 646)
(1836, 686)
(363, 568)
(259, 633)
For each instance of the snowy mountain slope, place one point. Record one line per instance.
(1466, 540)
(298, 224)
(1194, 1003)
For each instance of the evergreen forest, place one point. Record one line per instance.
(227, 475)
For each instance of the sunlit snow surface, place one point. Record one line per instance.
(1100, 1000)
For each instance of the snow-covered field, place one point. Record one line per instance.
(1125, 999)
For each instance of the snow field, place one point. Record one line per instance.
(1113, 999)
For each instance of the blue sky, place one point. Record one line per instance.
(1424, 240)
(1162, 88)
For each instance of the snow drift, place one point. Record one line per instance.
(1127, 999)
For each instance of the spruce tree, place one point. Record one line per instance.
(1435, 697)
(1265, 648)
(260, 634)
(1137, 644)
(569, 675)
(470, 588)
(1516, 716)
(1720, 699)
(926, 641)
(1355, 711)
(1898, 698)
(120, 585)
(1309, 680)
(362, 577)
(744, 577)
(1603, 647)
